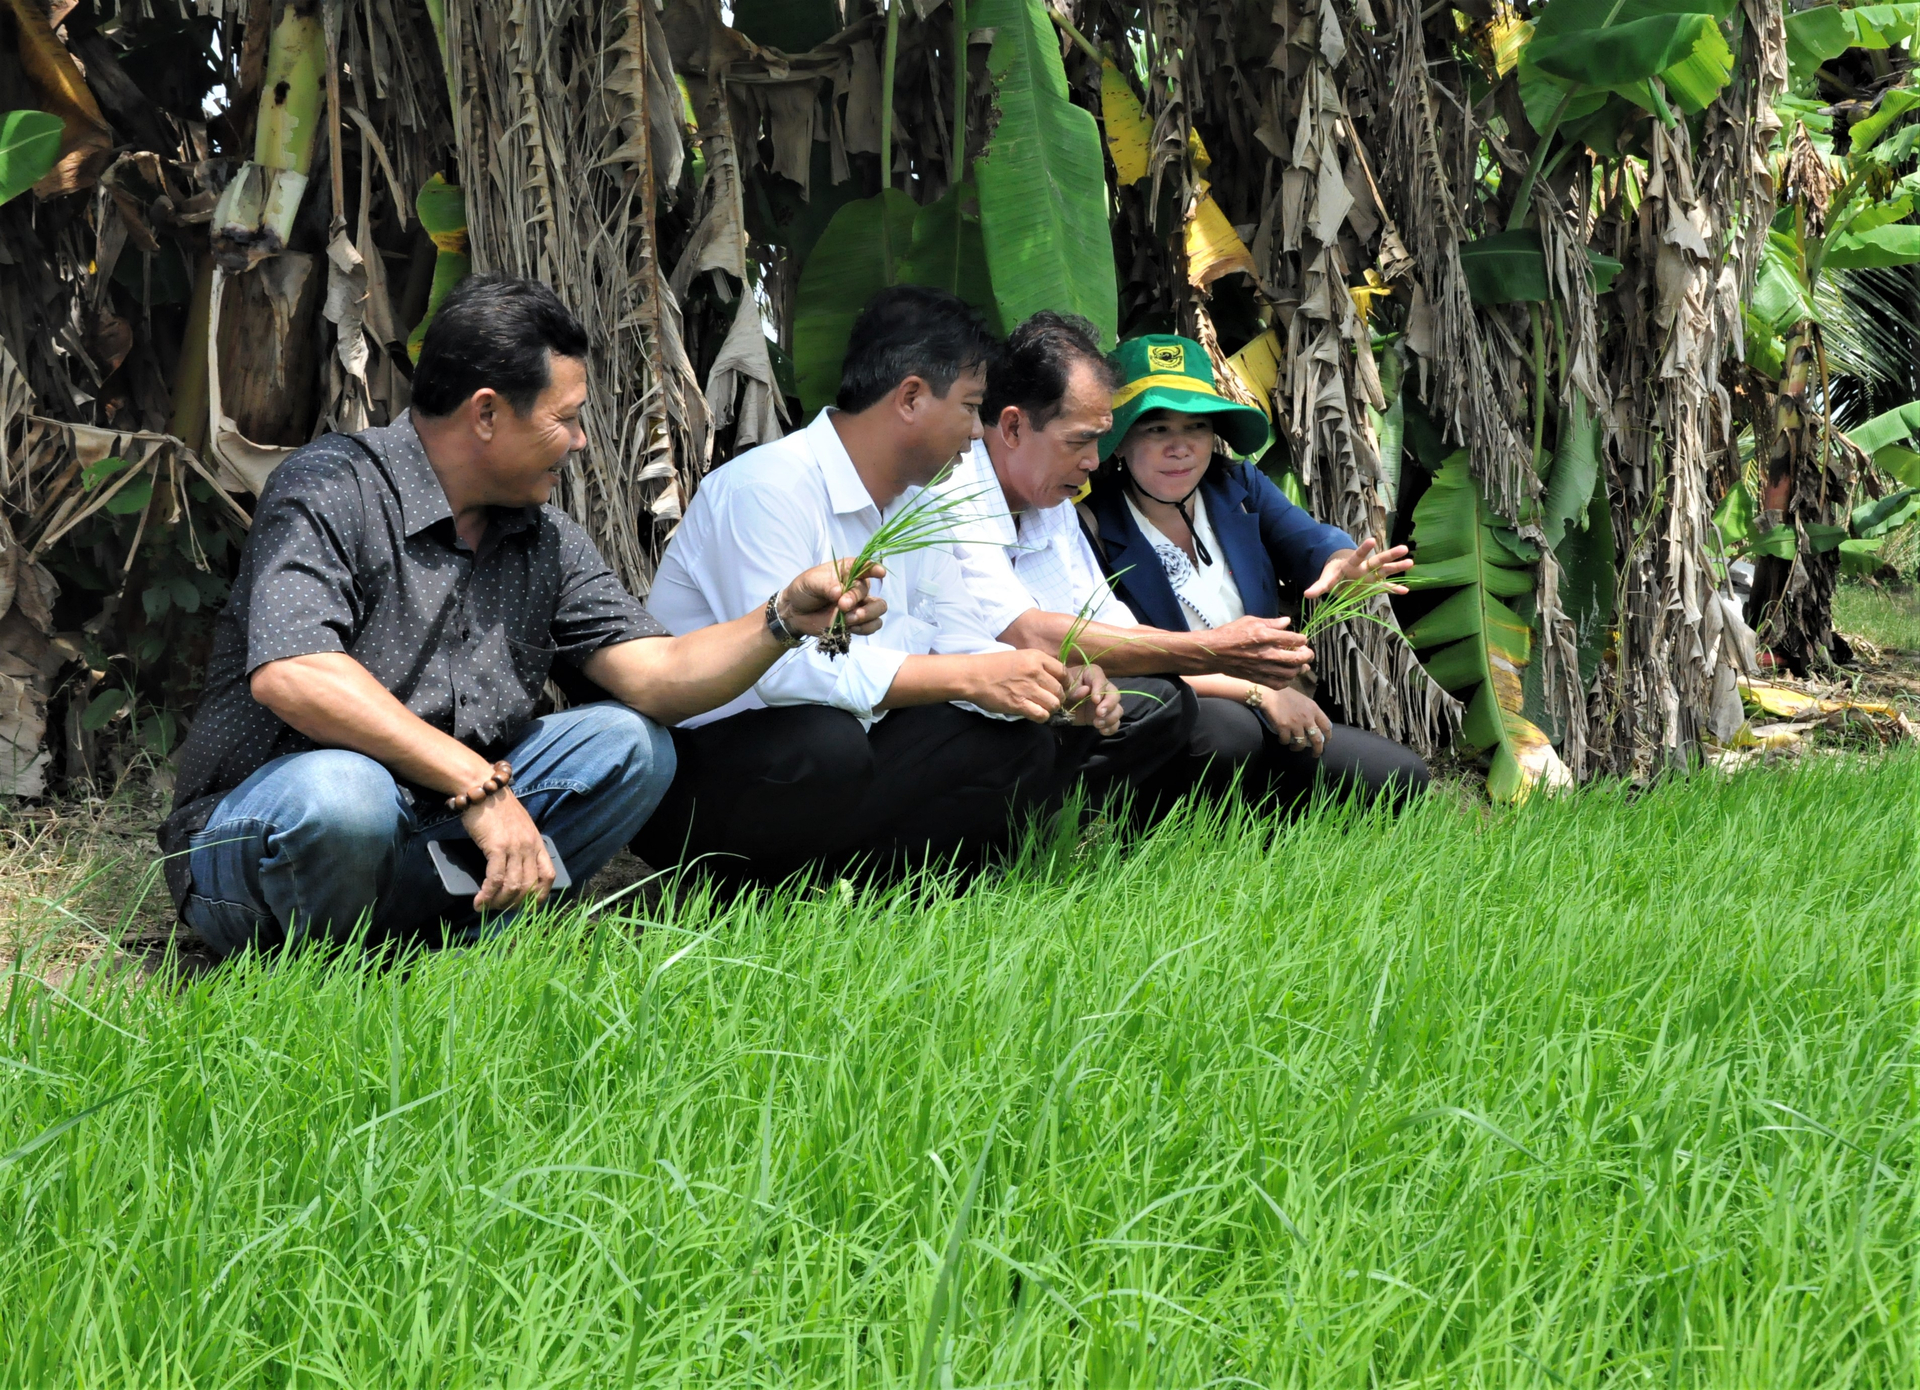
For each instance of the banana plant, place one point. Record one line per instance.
(1590, 67)
(1474, 644)
(1839, 212)
(1027, 231)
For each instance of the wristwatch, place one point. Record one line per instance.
(778, 629)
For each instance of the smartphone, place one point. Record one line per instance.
(463, 868)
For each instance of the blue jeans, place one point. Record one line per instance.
(313, 843)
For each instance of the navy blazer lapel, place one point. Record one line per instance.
(1134, 567)
(1238, 531)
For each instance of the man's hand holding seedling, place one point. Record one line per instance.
(816, 597)
(1093, 700)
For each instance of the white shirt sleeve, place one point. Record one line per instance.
(997, 591)
(752, 543)
(944, 596)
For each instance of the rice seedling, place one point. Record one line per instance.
(1070, 647)
(930, 519)
(1347, 601)
(1609, 1089)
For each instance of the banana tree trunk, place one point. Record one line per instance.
(1791, 606)
(255, 214)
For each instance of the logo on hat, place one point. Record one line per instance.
(1167, 357)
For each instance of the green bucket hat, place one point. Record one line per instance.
(1162, 372)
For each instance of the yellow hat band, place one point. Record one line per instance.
(1179, 381)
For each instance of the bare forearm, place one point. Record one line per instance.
(336, 702)
(1119, 651)
(1221, 687)
(674, 678)
(932, 680)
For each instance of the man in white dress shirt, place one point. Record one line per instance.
(1032, 570)
(924, 741)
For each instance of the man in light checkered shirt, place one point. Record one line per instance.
(1029, 566)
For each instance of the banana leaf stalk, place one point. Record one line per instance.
(931, 520)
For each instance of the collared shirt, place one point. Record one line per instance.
(1039, 560)
(353, 550)
(782, 508)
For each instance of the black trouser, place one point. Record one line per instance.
(1156, 723)
(765, 792)
(1229, 740)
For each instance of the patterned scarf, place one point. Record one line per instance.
(1186, 583)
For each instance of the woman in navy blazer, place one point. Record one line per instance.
(1191, 540)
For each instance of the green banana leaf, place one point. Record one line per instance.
(1576, 464)
(949, 253)
(1506, 268)
(1898, 461)
(1511, 268)
(1826, 31)
(1865, 134)
(1885, 514)
(1737, 516)
(29, 147)
(1474, 645)
(1605, 270)
(858, 255)
(1589, 45)
(1766, 350)
(1577, 521)
(1861, 559)
(1885, 437)
(1390, 428)
(778, 215)
(1873, 247)
(1822, 538)
(1588, 581)
(1042, 178)
(1780, 297)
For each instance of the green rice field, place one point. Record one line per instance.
(1887, 616)
(1613, 1090)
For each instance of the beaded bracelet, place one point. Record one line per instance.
(497, 781)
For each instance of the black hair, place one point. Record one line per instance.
(494, 331)
(1032, 372)
(910, 330)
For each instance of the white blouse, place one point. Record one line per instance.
(1207, 593)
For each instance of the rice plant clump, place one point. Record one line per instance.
(1605, 1090)
(929, 520)
(1347, 601)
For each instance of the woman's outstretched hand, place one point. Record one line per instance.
(1369, 561)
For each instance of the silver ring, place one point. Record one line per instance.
(1315, 734)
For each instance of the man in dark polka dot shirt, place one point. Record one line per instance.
(403, 597)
